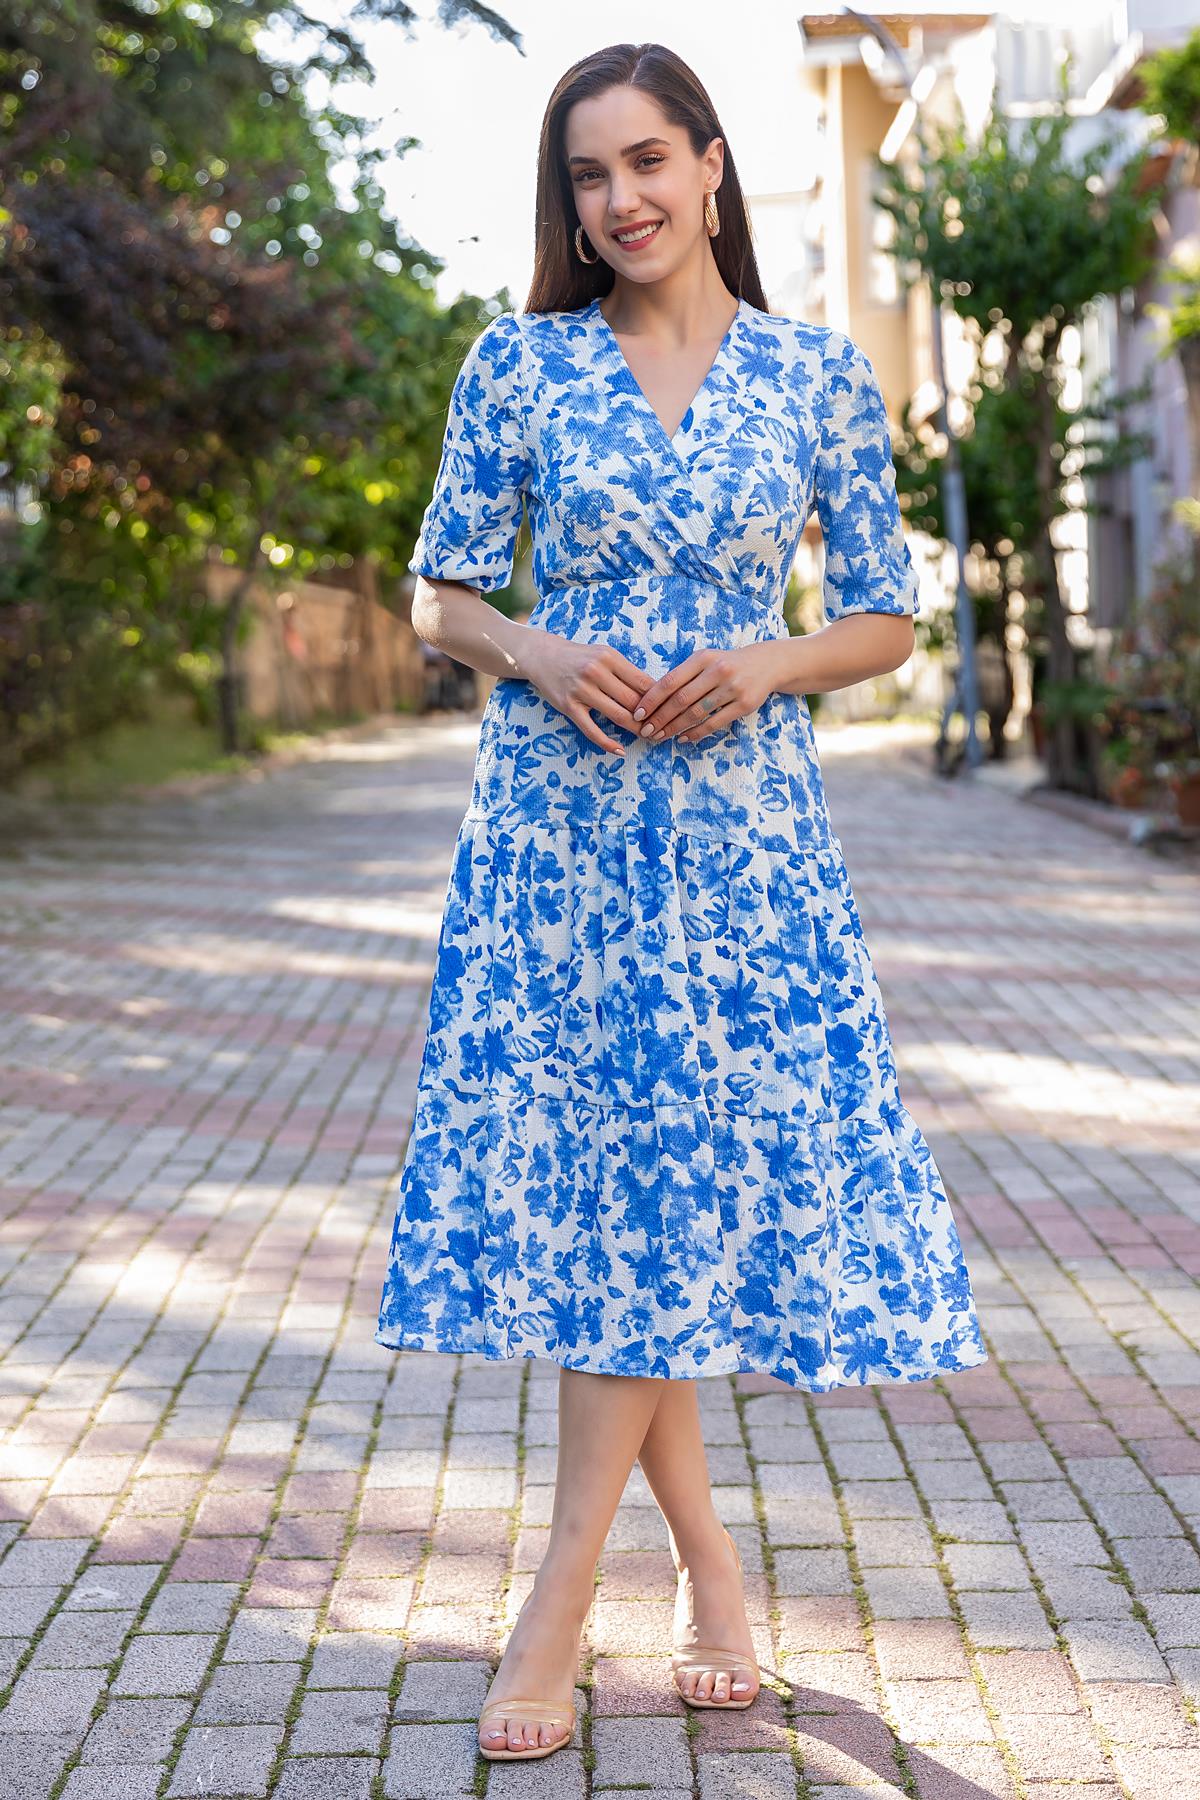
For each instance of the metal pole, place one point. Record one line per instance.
(954, 488)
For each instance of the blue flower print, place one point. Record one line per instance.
(657, 1126)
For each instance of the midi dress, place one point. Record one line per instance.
(657, 1126)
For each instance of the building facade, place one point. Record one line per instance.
(829, 259)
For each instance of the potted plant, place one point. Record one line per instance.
(1154, 674)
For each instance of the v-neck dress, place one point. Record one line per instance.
(657, 1125)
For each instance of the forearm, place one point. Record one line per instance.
(849, 650)
(455, 619)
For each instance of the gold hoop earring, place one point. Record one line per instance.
(579, 247)
(711, 220)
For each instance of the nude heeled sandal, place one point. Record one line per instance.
(528, 1712)
(700, 1657)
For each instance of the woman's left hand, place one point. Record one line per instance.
(681, 703)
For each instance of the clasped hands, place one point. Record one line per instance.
(702, 694)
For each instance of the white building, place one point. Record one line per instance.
(830, 260)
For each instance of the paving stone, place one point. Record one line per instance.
(340, 1722)
(135, 1731)
(437, 1762)
(1087, 1594)
(191, 1606)
(939, 1712)
(271, 1634)
(812, 1572)
(31, 1764)
(881, 1500)
(109, 1587)
(248, 1694)
(1185, 1668)
(905, 1593)
(880, 1543)
(875, 1462)
(82, 1640)
(1055, 1746)
(442, 1690)
(747, 1776)
(1159, 1774)
(45, 1561)
(987, 1566)
(1113, 1650)
(1030, 1681)
(165, 1664)
(25, 1608)
(1070, 1544)
(95, 1781)
(1161, 1565)
(846, 1748)
(225, 1759)
(1006, 1621)
(1144, 1714)
(829, 1681)
(919, 1649)
(327, 1778)
(656, 1748)
(972, 1521)
(962, 1772)
(1174, 1619)
(52, 1700)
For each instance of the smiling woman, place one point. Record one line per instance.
(658, 1130)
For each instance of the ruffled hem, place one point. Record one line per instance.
(677, 1242)
(591, 1365)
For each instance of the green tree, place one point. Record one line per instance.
(1171, 88)
(1020, 232)
(212, 351)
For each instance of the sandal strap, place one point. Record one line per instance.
(526, 1709)
(709, 1656)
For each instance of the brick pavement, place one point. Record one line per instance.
(249, 1552)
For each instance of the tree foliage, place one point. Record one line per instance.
(1019, 231)
(1171, 87)
(213, 349)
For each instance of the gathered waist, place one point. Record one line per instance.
(667, 614)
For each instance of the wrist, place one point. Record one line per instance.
(521, 646)
(786, 663)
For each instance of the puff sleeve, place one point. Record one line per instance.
(868, 567)
(469, 529)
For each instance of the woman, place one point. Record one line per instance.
(657, 1129)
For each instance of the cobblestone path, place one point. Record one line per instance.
(246, 1551)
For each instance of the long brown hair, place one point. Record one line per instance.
(561, 283)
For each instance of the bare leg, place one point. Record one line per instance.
(674, 1464)
(602, 1420)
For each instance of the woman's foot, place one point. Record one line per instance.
(710, 1618)
(540, 1658)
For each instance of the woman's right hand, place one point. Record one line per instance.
(576, 677)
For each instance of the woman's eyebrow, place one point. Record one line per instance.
(629, 150)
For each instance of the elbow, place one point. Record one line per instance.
(430, 606)
(899, 637)
(426, 610)
(907, 635)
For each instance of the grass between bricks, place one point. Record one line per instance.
(1191, 1705)
(1007, 1753)
(907, 1780)
(189, 1515)
(769, 1678)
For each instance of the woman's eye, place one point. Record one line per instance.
(648, 159)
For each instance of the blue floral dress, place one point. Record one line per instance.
(657, 1125)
